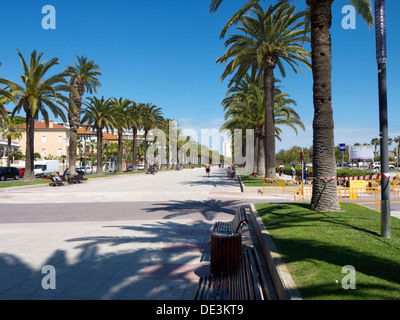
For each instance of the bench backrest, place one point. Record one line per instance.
(240, 220)
(235, 225)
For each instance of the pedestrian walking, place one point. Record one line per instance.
(208, 170)
(293, 172)
(281, 170)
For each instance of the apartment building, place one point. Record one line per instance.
(49, 141)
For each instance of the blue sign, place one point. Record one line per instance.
(112, 159)
(342, 146)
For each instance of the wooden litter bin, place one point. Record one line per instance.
(226, 249)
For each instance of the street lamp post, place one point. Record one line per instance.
(381, 56)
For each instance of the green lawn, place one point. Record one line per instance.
(18, 183)
(316, 246)
(250, 181)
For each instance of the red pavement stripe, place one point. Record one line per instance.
(174, 271)
(191, 232)
(183, 247)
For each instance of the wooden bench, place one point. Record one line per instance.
(56, 183)
(246, 283)
(80, 178)
(239, 221)
(76, 179)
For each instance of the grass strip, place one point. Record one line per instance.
(316, 246)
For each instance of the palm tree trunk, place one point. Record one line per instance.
(8, 151)
(72, 150)
(146, 145)
(261, 157)
(74, 118)
(120, 151)
(256, 144)
(269, 123)
(29, 157)
(324, 196)
(99, 151)
(134, 150)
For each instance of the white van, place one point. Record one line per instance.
(45, 168)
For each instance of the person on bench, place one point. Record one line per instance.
(55, 177)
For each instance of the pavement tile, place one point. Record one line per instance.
(111, 239)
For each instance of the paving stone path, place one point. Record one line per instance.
(128, 237)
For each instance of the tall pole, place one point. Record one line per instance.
(381, 56)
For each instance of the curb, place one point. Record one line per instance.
(285, 287)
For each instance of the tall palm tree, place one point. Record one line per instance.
(10, 131)
(246, 111)
(397, 140)
(83, 78)
(35, 95)
(121, 122)
(151, 117)
(375, 142)
(324, 197)
(100, 115)
(268, 39)
(134, 123)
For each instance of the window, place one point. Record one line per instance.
(59, 139)
(59, 151)
(43, 152)
(43, 138)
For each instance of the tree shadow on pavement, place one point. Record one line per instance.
(208, 209)
(160, 260)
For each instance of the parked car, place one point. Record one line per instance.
(9, 173)
(129, 168)
(377, 165)
(87, 169)
(141, 166)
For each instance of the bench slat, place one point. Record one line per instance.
(246, 283)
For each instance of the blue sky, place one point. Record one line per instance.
(164, 52)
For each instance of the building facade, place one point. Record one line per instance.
(48, 141)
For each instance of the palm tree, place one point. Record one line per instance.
(121, 122)
(324, 196)
(246, 111)
(267, 40)
(83, 78)
(134, 123)
(36, 94)
(100, 115)
(151, 117)
(375, 142)
(397, 140)
(10, 131)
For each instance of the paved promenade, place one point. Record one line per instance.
(126, 237)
